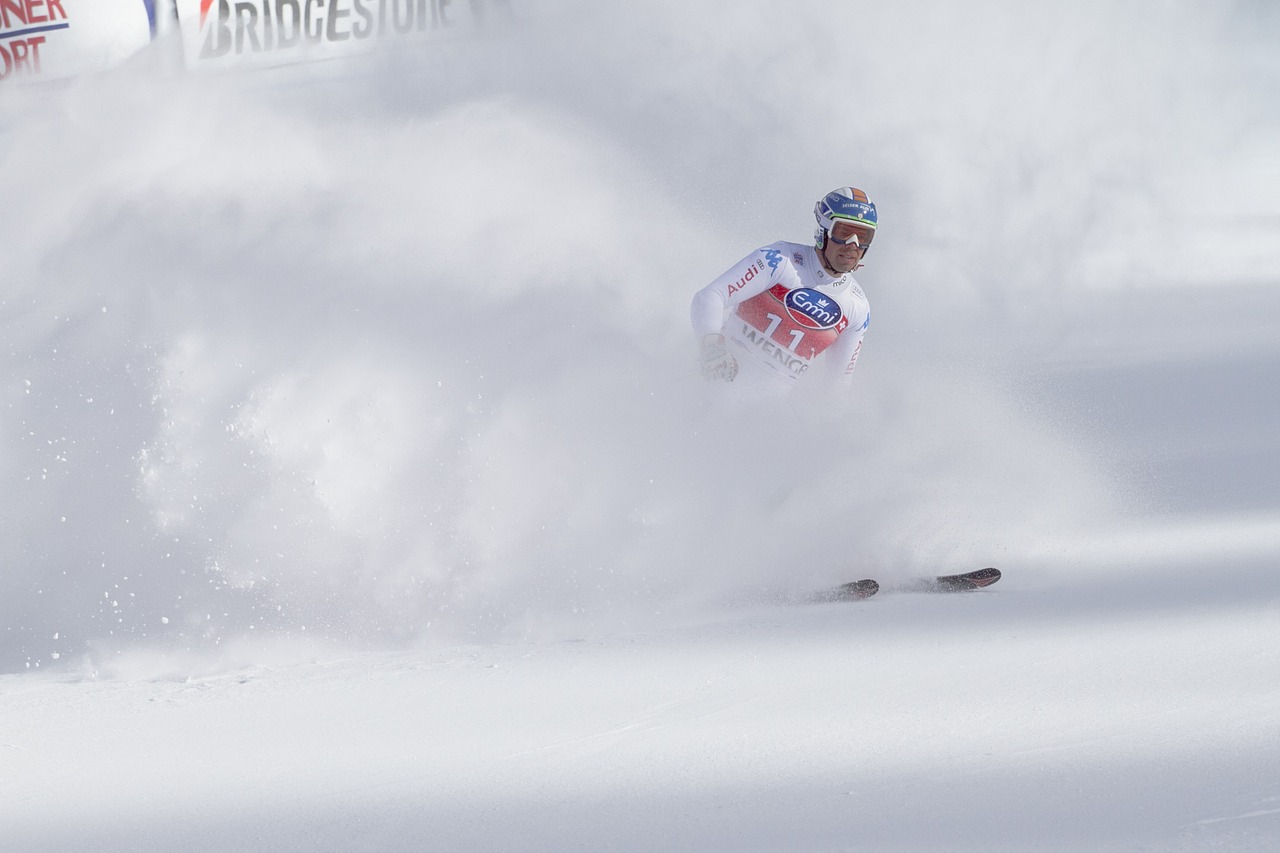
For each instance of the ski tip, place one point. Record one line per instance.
(855, 590)
(984, 577)
(970, 580)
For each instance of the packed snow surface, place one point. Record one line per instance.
(360, 491)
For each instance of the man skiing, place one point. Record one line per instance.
(788, 307)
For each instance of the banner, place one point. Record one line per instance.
(228, 33)
(52, 39)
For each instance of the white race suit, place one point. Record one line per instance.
(782, 314)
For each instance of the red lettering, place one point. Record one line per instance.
(742, 282)
(20, 55)
(15, 13)
(11, 10)
(853, 362)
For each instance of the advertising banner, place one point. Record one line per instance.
(256, 33)
(52, 39)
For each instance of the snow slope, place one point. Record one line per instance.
(360, 492)
(1017, 721)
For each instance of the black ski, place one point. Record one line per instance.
(963, 582)
(960, 583)
(852, 591)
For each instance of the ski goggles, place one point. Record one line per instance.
(846, 233)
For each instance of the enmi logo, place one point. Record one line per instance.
(811, 309)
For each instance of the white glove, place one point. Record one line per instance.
(716, 361)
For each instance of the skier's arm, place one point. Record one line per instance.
(749, 277)
(842, 356)
(707, 314)
(711, 305)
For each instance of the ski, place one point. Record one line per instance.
(852, 591)
(963, 582)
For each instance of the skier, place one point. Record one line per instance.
(787, 307)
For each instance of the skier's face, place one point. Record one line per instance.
(843, 257)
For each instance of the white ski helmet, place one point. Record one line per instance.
(849, 204)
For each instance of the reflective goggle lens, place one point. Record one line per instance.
(846, 233)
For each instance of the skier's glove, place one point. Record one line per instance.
(716, 361)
